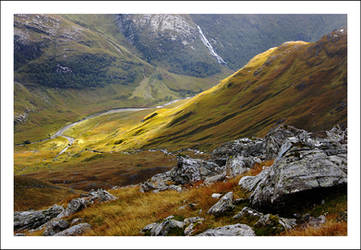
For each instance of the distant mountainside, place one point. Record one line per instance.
(298, 83)
(201, 45)
(68, 66)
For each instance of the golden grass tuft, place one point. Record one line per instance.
(330, 228)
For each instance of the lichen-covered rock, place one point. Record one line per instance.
(243, 147)
(187, 171)
(74, 230)
(273, 224)
(55, 226)
(240, 164)
(77, 204)
(33, 219)
(322, 163)
(190, 170)
(248, 213)
(214, 178)
(168, 226)
(225, 204)
(74, 206)
(100, 195)
(191, 223)
(229, 230)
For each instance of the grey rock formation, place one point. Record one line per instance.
(214, 178)
(191, 223)
(78, 204)
(187, 171)
(248, 213)
(230, 230)
(168, 226)
(224, 205)
(74, 230)
(303, 163)
(240, 164)
(33, 219)
(55, 226)
(190, 170)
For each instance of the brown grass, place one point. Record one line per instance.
(258, 167)
(30, 193)
(330, 228)
(107, 170)
(133, 210)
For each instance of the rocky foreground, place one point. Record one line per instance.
(306, 168)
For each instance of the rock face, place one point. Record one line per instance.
(171, 226)
(230, 230)
(55, 226)
(223, 205)
(170, 38)
(33, 219)
(248, 213)
(303, 163)
(78, 204)
(50, 218)
(269, 224)
(168, 226)
(187, 171)
(74, 230)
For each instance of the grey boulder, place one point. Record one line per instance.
(298, 168)
(33, 219)
(74, 230)
(168, 226)
(225, 204)
(55, 226)
(229, 230)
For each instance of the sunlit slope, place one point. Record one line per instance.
(297, 83)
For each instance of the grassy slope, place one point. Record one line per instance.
(298, 83)
(27, 190)
(52, 99)
(141, 209)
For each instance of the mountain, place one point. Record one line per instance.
(69, 66)
(238, 38)
(298, 83)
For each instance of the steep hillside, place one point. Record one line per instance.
(172, 41)
(238, 38)
(68, 66)
(298, 83)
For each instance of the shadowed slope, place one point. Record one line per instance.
(298, 83)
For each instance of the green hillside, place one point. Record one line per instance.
(298, 83)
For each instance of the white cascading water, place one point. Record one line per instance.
(209, 46)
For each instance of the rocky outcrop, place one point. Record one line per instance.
(303, 163)
(187, 171)
(230, 230)
(50, 218)
(75, 230)
(172, 226)
(169, 226)
(78, 204)
(223, 206)
(248, 213)
(55, 226)
(33, 219)
(268, 224)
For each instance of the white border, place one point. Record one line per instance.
(8, 9)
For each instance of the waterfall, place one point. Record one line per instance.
(209, 46)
